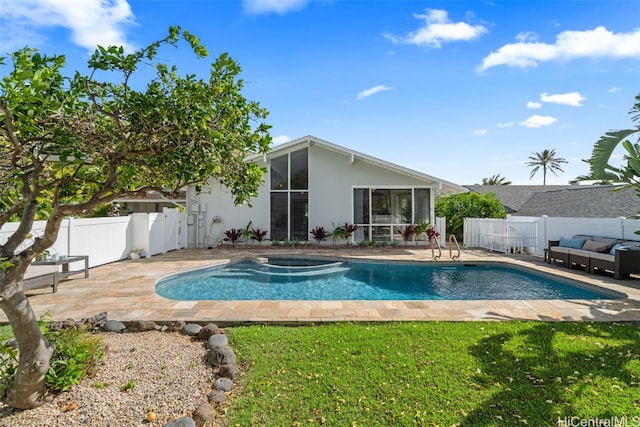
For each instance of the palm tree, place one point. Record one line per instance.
(496, 180)
(629, 173)
(548, 160)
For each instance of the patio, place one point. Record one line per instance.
(126, 291)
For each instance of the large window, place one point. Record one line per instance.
(290, 196)
(381, 213)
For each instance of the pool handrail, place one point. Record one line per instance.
(452, 241)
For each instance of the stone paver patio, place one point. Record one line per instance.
(126, 291)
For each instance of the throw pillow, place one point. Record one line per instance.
(572, 243)
(614, 248)
(593, 246)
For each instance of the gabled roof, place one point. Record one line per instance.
(513, 197)
(583, 202)
(447, 187)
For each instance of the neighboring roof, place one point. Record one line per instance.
(583, 202)
(514, 196)
(446, 186)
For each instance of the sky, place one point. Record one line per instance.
(460, 90)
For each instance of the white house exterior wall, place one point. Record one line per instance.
(332, 177)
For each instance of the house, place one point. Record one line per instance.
(608, 201)
(310, 182)
(574, 201)
(513, 197)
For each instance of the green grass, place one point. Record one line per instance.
(436, 374)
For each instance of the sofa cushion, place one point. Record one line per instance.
(560, 249)
(572, 243)
(594, 246)
(609, 240)
(613, 249)
(604, 257)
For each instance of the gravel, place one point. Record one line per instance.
(166, 372)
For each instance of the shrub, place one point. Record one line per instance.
(258, 235)
(76, 355)
(319, 234)
(233, 235)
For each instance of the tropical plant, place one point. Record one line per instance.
(408, 232)
(495, 180)
(258, 235)
(246, 232)
(233, 235)
(457, 207)
(343, 231)
(546, 160)
(432, 233)
(600, 168)
(75, 143)
(319, 234)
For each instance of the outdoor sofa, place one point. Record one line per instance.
(595, 253)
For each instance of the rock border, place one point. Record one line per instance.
(220, 356)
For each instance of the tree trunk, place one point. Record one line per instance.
(28, 387)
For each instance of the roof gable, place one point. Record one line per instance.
(446, 187)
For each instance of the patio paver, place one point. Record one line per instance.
(126, 291)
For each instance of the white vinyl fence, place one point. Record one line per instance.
(111, 239)
(531, 234)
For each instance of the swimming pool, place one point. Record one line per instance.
(306, 279)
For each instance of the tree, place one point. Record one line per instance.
(496, 180)
(457, 207)
(548, 161)
(75, 143)
(600, 168)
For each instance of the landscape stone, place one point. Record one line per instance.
(208, 330)
(114, 326)
(224, 384)
(191, 329)
(176, 326)
(203, 415)
(217, 397)
(217, 341)
(221, 355)
(181, 422)
(229, 371)
(142, 325)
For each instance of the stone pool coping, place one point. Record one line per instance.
(126, 291)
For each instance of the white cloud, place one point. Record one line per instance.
(614, 89)
(534, 105)
(572, 98)
(537, 121)
(280, 139)
(278, 6)
(91, 22)
(480, 132)
(505, 125)
(371, 91)
(596, 43)
(527, 37)
(438, 29)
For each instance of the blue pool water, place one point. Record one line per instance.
(295, 279)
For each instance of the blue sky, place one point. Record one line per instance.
(461, 90)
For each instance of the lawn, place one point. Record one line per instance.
(437, 374)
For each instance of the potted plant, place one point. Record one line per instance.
(136, 253)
